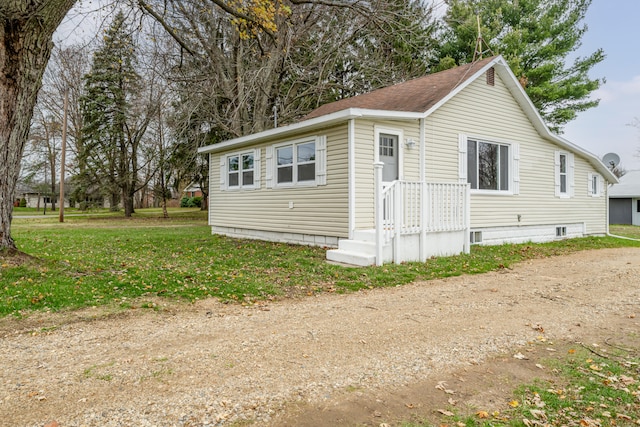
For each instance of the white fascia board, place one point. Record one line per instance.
(280, 131)
(308, 125)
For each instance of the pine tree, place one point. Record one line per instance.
(536, 37)
(109, 154)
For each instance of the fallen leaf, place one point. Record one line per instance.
(538, 414)
(627, 380)
(409, 405)
(595, 367)
(514, 403)
(539, 366)
(482, 414)
(452, 401)
(520, 356)
(446, 413)
(571, 351)
(441, 385)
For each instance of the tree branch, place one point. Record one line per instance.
(148, 9)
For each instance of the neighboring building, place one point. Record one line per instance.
(35, 198)
(624, 200)
(423, 168)
(192, 190)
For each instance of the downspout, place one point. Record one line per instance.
(423, 195)
(351, 172)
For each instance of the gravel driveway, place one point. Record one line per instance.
(212, 364)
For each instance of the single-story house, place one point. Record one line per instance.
(192, 190)
(419, 169)
(624, 200)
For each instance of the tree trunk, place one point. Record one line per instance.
(26, 30)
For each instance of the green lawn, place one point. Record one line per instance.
(107, 259)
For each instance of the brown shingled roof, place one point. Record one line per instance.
(417, 95)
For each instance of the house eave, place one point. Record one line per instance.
(309, 125)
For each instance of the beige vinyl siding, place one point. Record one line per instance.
(319, 210)
(364, 187)
(490, 112)
(365, 147)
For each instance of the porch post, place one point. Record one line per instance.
(377, 166)
(423, 193)
(398, 222)
(467, 219)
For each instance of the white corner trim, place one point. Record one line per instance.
(351, 173)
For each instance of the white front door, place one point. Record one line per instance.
(389, 154)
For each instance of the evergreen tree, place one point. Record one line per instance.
(109, 154)
(536, 37)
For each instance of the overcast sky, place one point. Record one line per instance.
(613, 26)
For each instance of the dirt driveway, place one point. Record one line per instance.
(360, 359)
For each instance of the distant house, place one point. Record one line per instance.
(35, 196)
(419, 169)
(624, 200)
(192, 190)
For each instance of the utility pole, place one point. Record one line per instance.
(62, 154)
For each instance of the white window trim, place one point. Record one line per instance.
(514, 164)
(320, 163)
(377, 130)
(224, 172)
(570, 175)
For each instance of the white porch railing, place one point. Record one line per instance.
(405, 207)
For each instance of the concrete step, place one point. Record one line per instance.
(352, 258)
(365, 235)
(357, 246)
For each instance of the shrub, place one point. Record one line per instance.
(191, 202)
(23, 203)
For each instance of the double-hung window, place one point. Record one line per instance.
(488, 165)
(296, 163)
(240, 170)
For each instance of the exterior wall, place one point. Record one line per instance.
(491, 113)
(531, 233)
(272, 236)
(310, 211)
(36, 200)
(620, 211)
(365, 156)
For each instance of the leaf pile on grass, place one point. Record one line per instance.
(94, 262)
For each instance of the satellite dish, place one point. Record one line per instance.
(611, 160)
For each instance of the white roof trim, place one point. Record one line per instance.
(310, 124)
(501, 67)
